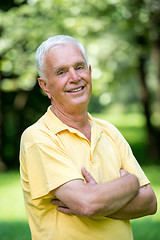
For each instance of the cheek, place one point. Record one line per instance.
(89, 81)
(86, 77)
(56, 88)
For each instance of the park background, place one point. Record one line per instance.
(122, 41)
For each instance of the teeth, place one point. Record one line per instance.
(76, 90)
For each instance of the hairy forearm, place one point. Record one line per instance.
(120, 199)
(143, 204)
(113, 196)
(97, 199)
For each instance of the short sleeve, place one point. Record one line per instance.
(128, 160)
(48, 167)
(130, 164)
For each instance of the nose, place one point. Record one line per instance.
(73, 76)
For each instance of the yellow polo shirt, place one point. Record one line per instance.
(52, 154)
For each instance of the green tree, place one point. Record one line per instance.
(143, 20)
(122, 41)
(134, 26)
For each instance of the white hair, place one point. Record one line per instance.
(43, 49)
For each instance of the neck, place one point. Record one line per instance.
(77, 120)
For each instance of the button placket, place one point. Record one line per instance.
(95, 136)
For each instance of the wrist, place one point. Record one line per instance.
(133, 183)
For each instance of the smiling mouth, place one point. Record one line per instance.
(76, 90)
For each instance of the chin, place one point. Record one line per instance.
(78, 104)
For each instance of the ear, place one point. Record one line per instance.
(90, 70)
(44, 85)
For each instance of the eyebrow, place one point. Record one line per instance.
(59, 68)
(65, 66)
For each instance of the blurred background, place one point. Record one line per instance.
(122, 41)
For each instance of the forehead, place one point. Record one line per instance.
(65, 54)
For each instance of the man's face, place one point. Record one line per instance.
(68, 78)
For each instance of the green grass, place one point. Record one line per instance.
(148, 228)
(13, 221)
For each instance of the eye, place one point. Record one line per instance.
(61, 72)
(79, 67)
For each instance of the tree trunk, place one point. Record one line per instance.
(2, 164)
(157, 57)
(145, 97)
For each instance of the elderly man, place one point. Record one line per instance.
(79, 176)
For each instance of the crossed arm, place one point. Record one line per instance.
(119, 199)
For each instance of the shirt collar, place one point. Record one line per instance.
(53, 122)
(56, 125)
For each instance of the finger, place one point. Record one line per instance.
(88, 177)
(58, 202)
(123, 172)
(65, 210)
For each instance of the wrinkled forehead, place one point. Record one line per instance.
(63, 56)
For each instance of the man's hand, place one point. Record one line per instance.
(88, 177)
(61, 206)
(144, 203)
(123, 172)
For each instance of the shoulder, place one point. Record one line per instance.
(36, 133)
(111, 131)
(31, 131)
(107, 127)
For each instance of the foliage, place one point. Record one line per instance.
(107, 28)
